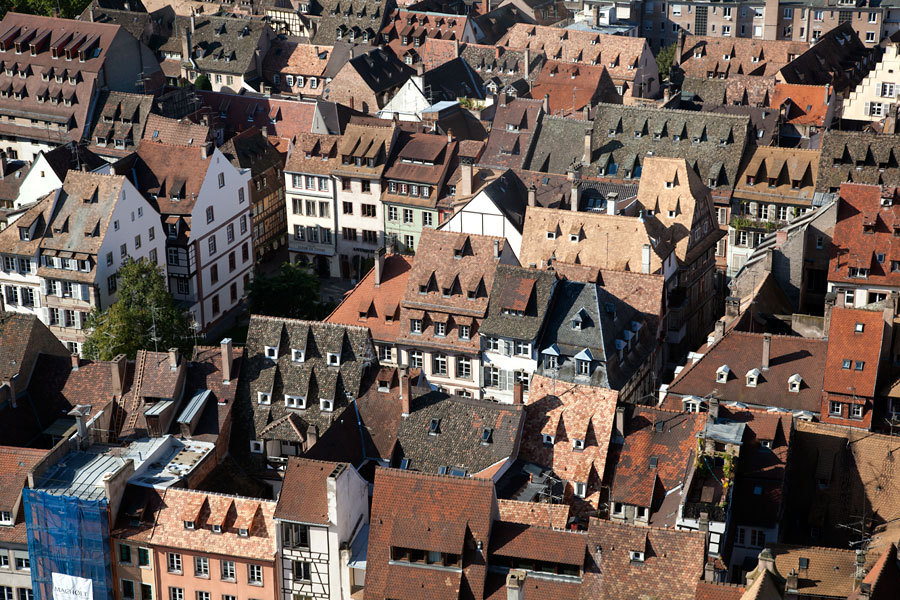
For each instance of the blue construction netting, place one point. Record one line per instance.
(67, 535)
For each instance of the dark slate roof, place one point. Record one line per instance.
(856, 157)
(250, 149)
(458, 442)
(512, 132)
(138, 24)
(341, 52)
(381, 70)
(221, 44)
(558, 144)
(833, 59)
(313, 378)
(493, 25)
(451, 80)
(503, 69)
(64, 158)
(358, 15)
(716, 153)
(763, 121)
(533, 288)
(604, 320)
(119, 116)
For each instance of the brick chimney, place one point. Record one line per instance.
(312, 436)
(227, 360)
(713, 409)
(466, 176)
(405, 393)
(173, 359)
(76, 362)
(767, 349)
(118, 374)
(532, 195)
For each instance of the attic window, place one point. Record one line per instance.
(576, 323)
(487, 435)
(574, 237)
(859, 327)
(794, 383)
(671, 214)
(384, 385)
(334, 359)
(294, 401)
(244, 532)
(669, 186)
(263, 398)
(434, 427)
(272, 352)
(577, 444)
(698, 54)
(722, 374)
(766, 443)
(297, 356)
(189, 525)
(636, 556)
(217, 529)
(548, 439)
(256, 447)
(752, 377)
(551, 235)
(6, 517)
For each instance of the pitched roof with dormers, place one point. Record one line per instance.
(119, 122)
(300, 368)
(658, 450)
(829, 573)
(866, 239)
(501, 69)
(858, 157)
(172, 175)
(706, 57)
(570, 412)
(858, 336)
(357, 20)
(219, 44)
(837, 59)
(620, 55)
(741, 352)
(743, 90)
(411, 28)
(177, 132)
(519, 302)
(569, 87)
(231, 513)
(452, 515)
(793, 171)
(624, 136)
(282, 118)
(15, 463)
(803, 104)
(514, 127)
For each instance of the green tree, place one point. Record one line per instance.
(67, 8)
(292, 293)
(664, 60)
(202, 83)
(143, 308)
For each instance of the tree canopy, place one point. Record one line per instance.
(67, 8)
(143, 317)
(292, 293)
(664, 61)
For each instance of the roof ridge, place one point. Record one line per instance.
(221, 495)
(301, 459)
(668, 111)
(544, 527)
(307, 322)
(473, 481)
(810, 547)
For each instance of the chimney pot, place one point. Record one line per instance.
(76, 362)
(767, 348)
(405, 392)
(227, 359)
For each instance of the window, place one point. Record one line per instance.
(859, 365)
(254, 574)
(221, 180)
(26, 594)
(407, 215)
(210, 215)
(4, 558)
(439, 364)
(836, 408)
(788, 13)
(326, 405)
(584, 367)
(551, 362)
(580, 489)
(111, 284)
(201, 595)
(415, 325)
(176, 593)
(240, 195)
(415, 359)
(125, 554)
(214, 274)
(463, 332)
(348, 208)
(228, 570)
(856, 411)
(229, 233)
(873, 18)
(870, 37)
(23, 563)
(463, 368)
(392, 213)
(173, 561)
(295, 535)
(143, 557)
(301, 570)
(146, 591)
(887, 90)
(440, 329)
(201, 566)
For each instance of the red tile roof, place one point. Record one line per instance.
(377, 308)
(532, 542)
(282, 118)
(14, 466)
(883, 577)
(804, 104)
(864, 229)
(571, 87)
(845, 343)
(534, 513)
(718, 591)
(304, 495)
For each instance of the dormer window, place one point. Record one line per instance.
(551, 235)
(722, 374)
(434, 427)
(548, 439)
(794, 383)
(217, 529)
(752, 377)
(635, 556)
(384, 385)
(577, 444)
(294, 401)
(297, 356)
(189, 525)
(576, 324)
(415, 325)
(244, 532)
(766, 443)
(263, 398)
(669, 186)
(580, 489)
(272, 352)
(326, 405)
(334, 359)
(6, 517)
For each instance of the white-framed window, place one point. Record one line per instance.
(856, 411)
(548, 439)
(254, 574)
(176, 593)
(873, 17)
(297, 356)
(173, 562)
(202, 595)
(201, 566)
(228, 572)
(463, 368)
(551, 361)
(294, 401)
(870, 37)
(271, 352)
(415, 325)
(334, 359)
(888, 90)
(440, 329)
(577, 444)
(416, 358)
(580, 489)
(6, 518)
(263, 398)
(326, 405)
(835, 408)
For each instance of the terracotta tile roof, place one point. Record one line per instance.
(803, 104)
(569, 412)
(304, 493)
(282, 118)
(313, 153)
(830, 572)
(620, 54)
(718, 591)
(297, 59)
(177, 132)
(452, 513)
(836, 474)
(205, 373)
(641, 291)
(39, 215)
(250, 513)
(166, 170)
(741, 352)
(745, 56)
(571, 87)
(14, 466)
(845, 343)
(91, 385)
(377, 308)
(366, 139)
(137, 514)
(883, 577)
(866, 228)
(672, 565)
(668, 437)
(534, 513)
(513, 128)
(421, 27)
(422, 158)
(531, 542)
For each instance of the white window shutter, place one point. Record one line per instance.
(868, 109)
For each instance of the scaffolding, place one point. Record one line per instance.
(68, 535)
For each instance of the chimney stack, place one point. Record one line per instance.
(312, 436)
(193, 21)
(204, 150)
(586, 159)
(118, 374)
(518, 393)
(713, 409)
(455, 48)
(3, 165)
(173, 359)
(527, 59)
(92, 12)
(496, 248)
(466, 176)
(80, 412)
(767, 349)
(227, 359)
(76, 362)
(546, 104)
(379, 266)
(532, 195)
(405, 392)
(515, 585)
(645, 258)
(186, 50)
(575, 196)
(791, 584)
(620, 420)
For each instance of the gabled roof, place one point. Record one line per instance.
(803, 104)
(746, 56)
(858, 157)
(829, 572)
(177, 132)
(868, 225)
(793, 170)
(119, 116)
(83, 212)
(220, 44)
(358, 16)
(304, 493)
(571, 87)
(250, 149)
(282, 118)
(833, 59)
(513, 128)
(172, 174)
(883, 577)
(857, 335)
(530, 291)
